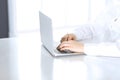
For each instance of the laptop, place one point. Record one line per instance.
(47, 36)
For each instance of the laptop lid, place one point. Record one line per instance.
(46, 32)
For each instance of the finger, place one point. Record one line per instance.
(63, 39)
(69, 38)
(64, 48)
(63, 45)
(67, 42)
(58, 47)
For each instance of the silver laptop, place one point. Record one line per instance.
(47, 36)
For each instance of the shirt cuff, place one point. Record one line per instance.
(101, 49)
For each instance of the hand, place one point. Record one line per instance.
(71, 45)
(68, 37)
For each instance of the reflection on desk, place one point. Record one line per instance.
(23, 58)
(79, 67)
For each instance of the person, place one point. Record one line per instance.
(100, 38)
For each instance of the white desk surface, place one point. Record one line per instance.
(23, 58)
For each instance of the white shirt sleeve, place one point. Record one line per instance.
(84, 32)
(102, 49)
(107, 30)
(93, 31)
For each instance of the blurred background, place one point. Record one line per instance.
(24, 14)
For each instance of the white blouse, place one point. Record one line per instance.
(103, 37)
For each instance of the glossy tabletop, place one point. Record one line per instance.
(23, 58)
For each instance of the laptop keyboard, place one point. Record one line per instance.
(65, 51)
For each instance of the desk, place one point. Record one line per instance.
(23, 58)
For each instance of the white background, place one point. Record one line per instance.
(64, 13)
